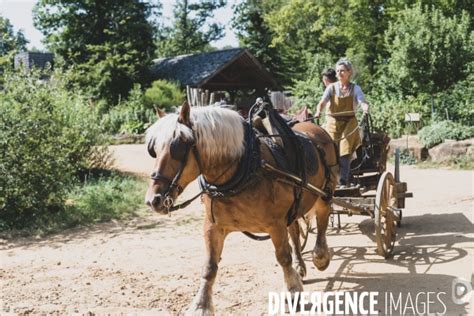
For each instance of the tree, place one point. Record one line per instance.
(110, 42)
(254, 33)
(10, 44)
(9, 41)
(187, 35)
(428, 51)
(337, 28)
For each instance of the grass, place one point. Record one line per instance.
(459, 163)
(101, 197)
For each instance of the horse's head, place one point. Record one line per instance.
(171, 142)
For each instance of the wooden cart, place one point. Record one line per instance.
(378, 193)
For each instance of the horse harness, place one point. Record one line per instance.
(244, 177)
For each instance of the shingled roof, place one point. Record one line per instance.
(234, 68)
(28, 60)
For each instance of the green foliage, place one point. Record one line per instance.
(457, 103)
(407, 158)
(309, 91)
(48, 136)
(388, 112)
(164, 95)
(10, 44)
(137, 113)
(331, 27)
(9, 41)
(110, 43)
(191, 32)
(254, 34)
(429, 51)
(102, 197)
(130, 116)
(437, 132)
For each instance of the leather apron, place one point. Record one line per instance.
(342, 123)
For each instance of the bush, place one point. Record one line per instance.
(457, 103)
(130, 116)
(388, 112)
(428, 50)
(308, 92)
(436, 133)
(48, 136)
(163, 94)
(103, 196)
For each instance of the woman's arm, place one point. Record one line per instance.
(322, 103)
(360, 99)
(320, 108)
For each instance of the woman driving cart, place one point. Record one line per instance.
(343, 97)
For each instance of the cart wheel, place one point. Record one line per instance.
(397, 179)
(385, 219)
(304, 224)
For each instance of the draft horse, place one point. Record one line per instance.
(211, 143)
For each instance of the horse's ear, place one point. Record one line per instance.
(159, 112)
(184, 114)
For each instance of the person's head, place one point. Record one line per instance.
(344, 70)
(329, 76)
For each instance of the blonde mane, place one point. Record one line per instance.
(218, 132)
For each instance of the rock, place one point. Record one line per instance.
(412, 143)
(452, 148)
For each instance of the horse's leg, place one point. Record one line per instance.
(283, 254)
(214, 240)
(300, 266)
(321, 255)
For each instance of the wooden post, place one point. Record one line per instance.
(188, 95)
(212, 98)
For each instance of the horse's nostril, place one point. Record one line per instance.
(156, 202)
(148, 203)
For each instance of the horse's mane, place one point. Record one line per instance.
(219, 132)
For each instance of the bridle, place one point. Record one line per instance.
(173, 184)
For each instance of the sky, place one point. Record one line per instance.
(20, 16)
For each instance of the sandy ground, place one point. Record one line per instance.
(152, 265)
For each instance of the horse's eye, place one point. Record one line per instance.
(178, 149)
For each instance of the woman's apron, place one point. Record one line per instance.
(342, 123)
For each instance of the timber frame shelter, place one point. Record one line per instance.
(229, 70)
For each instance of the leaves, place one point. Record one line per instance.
(109, 43)
(191, 32)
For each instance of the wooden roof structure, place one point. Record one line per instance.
(222, 70)
(28, 60)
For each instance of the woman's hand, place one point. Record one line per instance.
(365, 107)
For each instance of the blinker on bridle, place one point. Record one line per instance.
(179, 151)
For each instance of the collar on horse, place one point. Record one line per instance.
(243, 176)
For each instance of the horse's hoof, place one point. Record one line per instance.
(321, 262)
(301, 270)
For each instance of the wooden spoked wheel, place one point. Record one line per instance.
(386, 214)
(304, 224)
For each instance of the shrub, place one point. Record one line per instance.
(48, 136)
(457, 103)
(163, 94)
(130, 116)
(388, 112)
(428, 50)
(436, 133)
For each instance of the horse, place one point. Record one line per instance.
(210, 143)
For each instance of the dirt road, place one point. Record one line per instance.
(152, 265)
